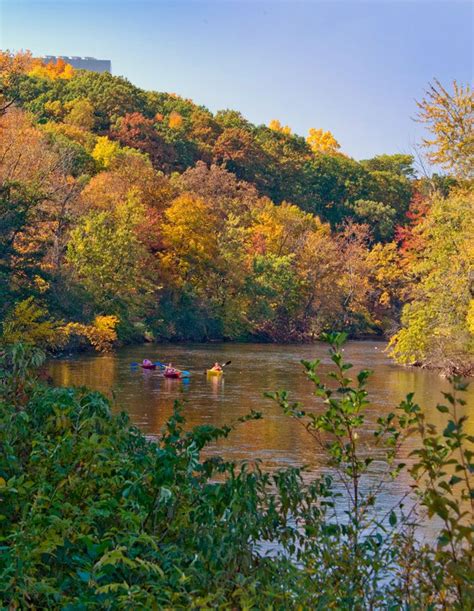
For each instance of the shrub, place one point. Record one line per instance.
(94, 515)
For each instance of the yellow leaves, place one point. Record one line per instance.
(384, 299)
(77, 134)
(322, 142)
(470, 317)
(384, 263)
(105, 151)
(101, 334)
(175, 120)
(58, 69)
(29, 323)
(190, 235)
(54, 108)
(437, 323)
(450, 119)
(41, 284)
(276, 126)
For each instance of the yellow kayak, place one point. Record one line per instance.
(214, 372)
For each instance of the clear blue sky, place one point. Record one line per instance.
(352, 67)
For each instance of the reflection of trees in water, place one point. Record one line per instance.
(98, 373)
(149, 397)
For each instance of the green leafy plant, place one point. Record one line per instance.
(95, 515)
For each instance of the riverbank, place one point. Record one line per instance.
(444, 369)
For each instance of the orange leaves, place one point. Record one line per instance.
(24, 152)
(126, 170)
(322, 142)
(14, 63)
(175, 120)
(53, 70)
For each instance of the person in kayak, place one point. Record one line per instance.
(216, 367)
(169, 369)
(147, 363)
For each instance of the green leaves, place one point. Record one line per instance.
(95, 515)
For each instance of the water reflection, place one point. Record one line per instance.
(277, 440)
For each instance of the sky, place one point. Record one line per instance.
(353, 67)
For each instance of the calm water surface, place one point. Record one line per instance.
(276, 439)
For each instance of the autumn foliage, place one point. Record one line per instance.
(124, 211)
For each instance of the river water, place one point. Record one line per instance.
(256, 368)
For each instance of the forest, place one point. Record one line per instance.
(132, 216)
(129, 215)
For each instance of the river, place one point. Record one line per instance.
(276, 440)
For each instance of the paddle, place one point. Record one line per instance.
(223, 365)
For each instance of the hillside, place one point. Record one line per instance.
(142, 214)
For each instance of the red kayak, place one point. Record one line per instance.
(152, 366)
(172, 374)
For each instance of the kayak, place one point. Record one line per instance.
(152, 366)
(172, 374)
(214, 372)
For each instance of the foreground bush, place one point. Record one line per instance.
(94, 515)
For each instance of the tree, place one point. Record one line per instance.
(388, 280)
(450, 119)
(322, 142)
(408, 235)
(35, 165)
(29, 323)
(204, 130)
(12, 66)
(435, 321)
(275, 292)
(276, 126)
(190, 238)
(137, 131)
(231, 119)
(17, 270)
(128, 170)
(53, 70)
(105, 151)
(175, 120)
(399, 164)
(111, 96)
(131, 172)
(108, 260)
(394, 190)
(354, 277)
(221, 188)
(330, 183)
(80, 113)
(378, 216)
